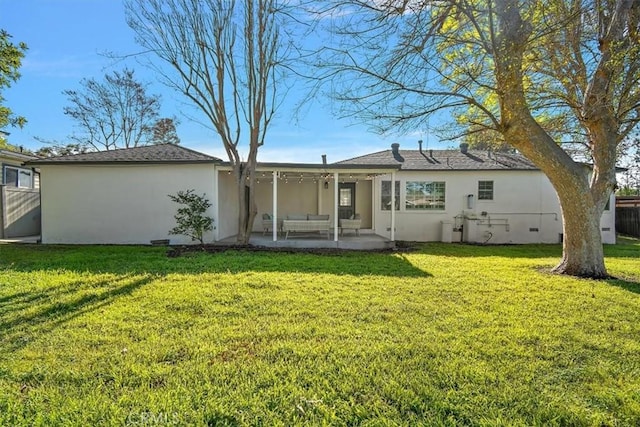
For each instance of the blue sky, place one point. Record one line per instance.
(67, 40)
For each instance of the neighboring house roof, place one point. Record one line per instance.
(416, 160)
(162, 153)
(16, 156)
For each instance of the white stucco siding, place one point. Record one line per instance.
(608, 222)
(227, 205)
(119, 204)
(524, 208)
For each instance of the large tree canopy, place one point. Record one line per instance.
(226, 57)
(533, 72)
(10, 61)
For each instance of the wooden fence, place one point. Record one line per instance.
(628, 221)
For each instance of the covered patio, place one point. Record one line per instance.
(311, 206)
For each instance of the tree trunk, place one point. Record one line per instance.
(581, 204)
(582, 208)
(247, 209)
(582, 252)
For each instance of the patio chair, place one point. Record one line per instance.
(354, 223)
(267, 223)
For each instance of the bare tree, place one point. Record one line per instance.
(114, 113)
(513, 67)
(225, 56)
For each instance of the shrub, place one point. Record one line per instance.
(190, 217)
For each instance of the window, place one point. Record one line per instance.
(485, 190)
(345, 197)
(18, 177)
(385, 197)
(425, 195)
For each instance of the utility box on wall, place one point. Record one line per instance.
(469, 230)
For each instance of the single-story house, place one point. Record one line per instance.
(121, 196)
(19, 195)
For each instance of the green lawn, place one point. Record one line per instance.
(444, 335)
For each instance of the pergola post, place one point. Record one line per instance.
(393, 206)
(216, 206)
(274, 211)
(335, 206)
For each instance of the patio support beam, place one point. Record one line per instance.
(335, 206)
(393, 206)
(274, 213)
(319, 191)
(216, 207)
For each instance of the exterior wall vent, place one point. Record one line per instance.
(606, 229)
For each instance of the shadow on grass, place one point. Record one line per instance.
(148, 260)
(36, 313)
(627, 285)
(532, 251)
(468, 250)
(348, 263)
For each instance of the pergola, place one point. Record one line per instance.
(328, 174)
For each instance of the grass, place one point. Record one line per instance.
(445, 335)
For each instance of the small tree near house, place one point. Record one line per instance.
(190, 218)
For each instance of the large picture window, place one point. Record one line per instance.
(425, 195)
(385, 196)
(18, 177)
(485, 190)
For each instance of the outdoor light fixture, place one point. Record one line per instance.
(326, 185)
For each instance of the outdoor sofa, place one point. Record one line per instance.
(306, 224)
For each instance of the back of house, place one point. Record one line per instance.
(424, 195)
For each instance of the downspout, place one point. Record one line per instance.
(335, 207)
(393, 206)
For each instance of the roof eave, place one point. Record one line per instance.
(44, 162)
(469, 169)
(17, 156)
(320, 167)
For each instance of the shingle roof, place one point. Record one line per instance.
(162, 153)
(445, 160)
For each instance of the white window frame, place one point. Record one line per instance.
(436, 205)
(397, 187)
(18, 170)
(484, 190)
